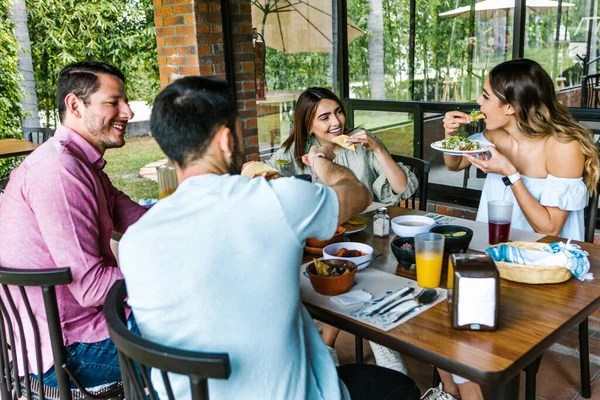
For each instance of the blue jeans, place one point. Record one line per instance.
(93, 364)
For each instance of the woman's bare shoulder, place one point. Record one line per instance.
(495, 136)
(564, 159)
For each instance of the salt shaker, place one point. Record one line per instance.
(381, 223)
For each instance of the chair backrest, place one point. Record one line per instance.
(12, 325)
(421, 170)
(37, 134)
(137, 355)
(590, 87)
(590, 215)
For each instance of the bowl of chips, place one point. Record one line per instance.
(359, 253)
(331, 277)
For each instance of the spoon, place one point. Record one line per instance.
(368, 261)
(427, 297)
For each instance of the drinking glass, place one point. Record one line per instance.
(499, 217)
(429, 252)
(167, 179)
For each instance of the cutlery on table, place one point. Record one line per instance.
(393, 298)
(426, 295)
(423, 300)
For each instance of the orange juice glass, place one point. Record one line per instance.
(429, 253)
(450, 281)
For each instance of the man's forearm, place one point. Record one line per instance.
(330, 173)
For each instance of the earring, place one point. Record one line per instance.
(505, 112)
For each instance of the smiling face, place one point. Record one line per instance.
(106, 114)
(493, 108)
(329, 121)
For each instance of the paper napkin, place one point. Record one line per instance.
(352, 297)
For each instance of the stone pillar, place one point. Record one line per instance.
(189, 37)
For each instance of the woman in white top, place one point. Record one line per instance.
(539, 158)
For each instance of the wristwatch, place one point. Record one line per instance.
(509, 180)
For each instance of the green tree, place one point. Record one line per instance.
(117, 32)
(10, 93)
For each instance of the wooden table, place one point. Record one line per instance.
(532, 318)
(16, 147)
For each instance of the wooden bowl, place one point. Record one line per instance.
(337, 237)
(331, 285)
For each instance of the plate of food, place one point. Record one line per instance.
(458, 145)
(355, 224)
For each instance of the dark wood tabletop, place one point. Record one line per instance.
(532, 318)
(16, 147)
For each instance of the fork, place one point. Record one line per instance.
(397, 303)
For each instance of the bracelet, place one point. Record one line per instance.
(311, 159)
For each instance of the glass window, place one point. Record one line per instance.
(395, 129)
(454, 49)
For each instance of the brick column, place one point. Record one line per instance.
(189, 38)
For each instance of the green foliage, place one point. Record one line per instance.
(10, 92)
(120, 33)
(297, 71)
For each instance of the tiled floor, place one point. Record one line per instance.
(557, 379)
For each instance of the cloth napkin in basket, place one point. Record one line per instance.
(352, 297)
(566, 255)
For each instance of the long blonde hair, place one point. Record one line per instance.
(525, 85)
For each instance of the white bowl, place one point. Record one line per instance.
(329, 252)
(411, 225)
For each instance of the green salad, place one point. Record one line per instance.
(459, 143)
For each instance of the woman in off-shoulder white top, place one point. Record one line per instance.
(548, 161)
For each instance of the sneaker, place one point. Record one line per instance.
(334, 355)
(437, 394)
(388, 358)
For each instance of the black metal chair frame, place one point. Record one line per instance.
(10, 382)
(590, 215)
(132, 349)
(421, 169)
(590, 90)
(38, 135)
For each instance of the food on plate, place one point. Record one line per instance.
(341, 141)
(476, 115)
(324, 269)
(407, 246)
(257, 168)
(355, 223)
(283, 162)
(459, 143)
(343, 252)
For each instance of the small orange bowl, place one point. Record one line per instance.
(337, 237)
(332, 285)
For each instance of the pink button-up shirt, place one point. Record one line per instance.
(59, 210)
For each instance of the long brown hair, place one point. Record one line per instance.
(304, 113)
(525, 85)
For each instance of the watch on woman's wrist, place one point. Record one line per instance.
(511, 179)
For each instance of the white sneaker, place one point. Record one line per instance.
(334, 355)
(437, 394)
(388, 358)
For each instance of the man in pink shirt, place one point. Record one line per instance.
(59, 210)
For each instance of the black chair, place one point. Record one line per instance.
(590, 214)
(590, 91)
(137, 355)
(421, 169)
(37, 134)
(14, 384)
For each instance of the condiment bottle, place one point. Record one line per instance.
(381, 223)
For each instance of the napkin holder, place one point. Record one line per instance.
(475, 300)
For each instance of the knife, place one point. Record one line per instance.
(390, 300)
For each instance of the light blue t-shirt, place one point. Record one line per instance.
(569, 194)
(215, 267)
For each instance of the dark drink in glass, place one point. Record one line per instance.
(498, 232)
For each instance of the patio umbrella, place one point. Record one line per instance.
(489, 6)
(296, 26)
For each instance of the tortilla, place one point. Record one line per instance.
(476, 115)
(257, 168)
(340, 140)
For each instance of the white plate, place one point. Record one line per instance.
(436, 146)
(354, 231)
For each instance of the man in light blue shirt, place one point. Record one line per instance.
(214, 266)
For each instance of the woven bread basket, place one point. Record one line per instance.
(533, 274)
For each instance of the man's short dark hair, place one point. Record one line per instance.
(187, 114)
(81, 79)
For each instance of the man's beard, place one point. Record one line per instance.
(103, 134)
